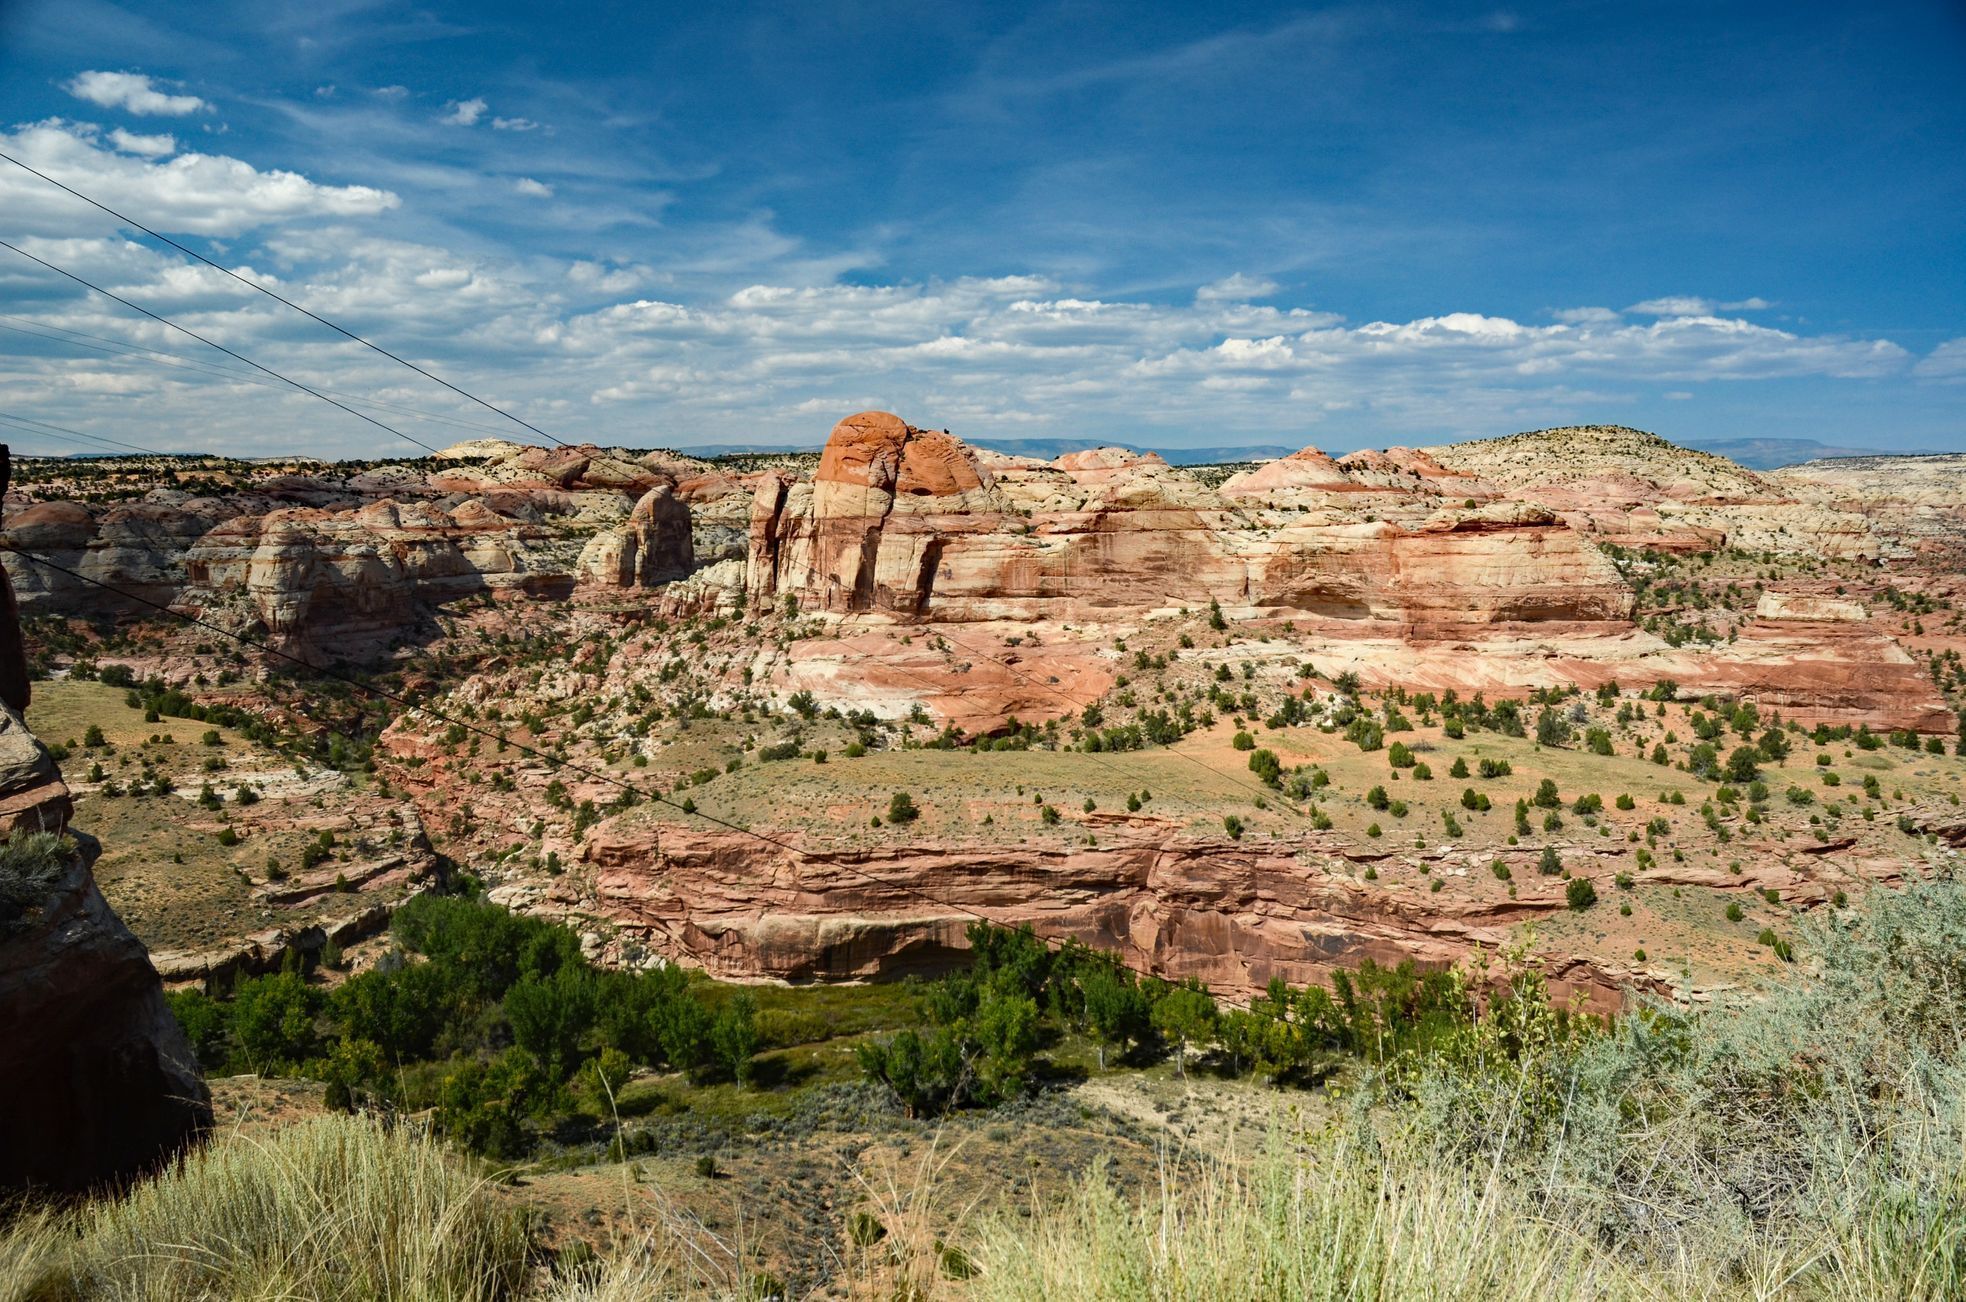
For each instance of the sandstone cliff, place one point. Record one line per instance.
(1232, 914)
(913, 523)
(96, 1080)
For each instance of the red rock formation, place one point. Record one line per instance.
(913, 524)
(1233, 914)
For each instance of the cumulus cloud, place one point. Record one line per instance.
(1587, 316)
(200, 194)
(132, 92)
(1946, 362)
(149, 146)
(1236, 289)
(606, 278)
(593, 349)
(1686, 305)
(533, 189)
(1673, 305)
(464, 112)
(513, 124)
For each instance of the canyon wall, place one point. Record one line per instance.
(96, 1081)
(914, 523)
(1233, 914)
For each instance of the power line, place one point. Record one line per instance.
(178, 361)
(193, 253)
(557, 761)
(26, 425)
(137, 307)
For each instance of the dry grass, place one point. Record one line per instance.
(1290, 1225)
(334, 1208)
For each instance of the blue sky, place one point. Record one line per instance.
(1180, 224)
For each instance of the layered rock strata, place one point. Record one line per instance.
(1232, 914)
(913, 523)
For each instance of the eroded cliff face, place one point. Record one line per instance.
(1233, 914)
(1474, 568)
(338, 567)
(914, 523)
(96, 1081)
(654, 547)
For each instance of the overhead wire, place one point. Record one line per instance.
(186, 330)
(179, 362)
(62, 433)
(254, 285)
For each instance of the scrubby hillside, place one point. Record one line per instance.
(1602, 460)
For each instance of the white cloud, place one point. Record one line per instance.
(607, 279)
(1687, 305)
(1586, 316)
(533, 189)
(391, 93)
(148, 146)
(132, 92)
(200, 194)
(1673, 305)
(611, 350)
(514, 124)
(464, 112)
(1236, 289)
(1946, 362)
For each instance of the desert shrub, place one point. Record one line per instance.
(1811, 1135)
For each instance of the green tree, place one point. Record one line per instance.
(1006, 1036)
(734, 1036)
(206, 1025)
(926, 1073)
(1744, 764)
(550, 1016)
(682, 1027)
(401, 1010)
(1186, 1016)
(273, 1020)
(1115, 1010)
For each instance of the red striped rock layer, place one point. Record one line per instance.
(1233, 914)
(914, 524)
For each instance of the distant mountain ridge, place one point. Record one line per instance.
(1773, 454)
